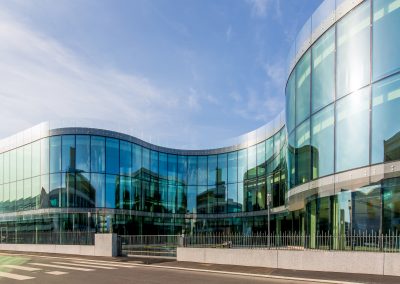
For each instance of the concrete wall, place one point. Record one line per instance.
(333, 261)
(105, 245)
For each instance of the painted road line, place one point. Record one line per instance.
(25, 268)
(112, 264)
(56, 272)
(62, 267)
(15, 276)
(84, 265)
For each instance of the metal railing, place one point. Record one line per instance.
(361, 241)
(51, 238)
(149, 245)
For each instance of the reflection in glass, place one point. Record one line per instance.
(97, 182)
(83, 153)
(290, 103)
(303, 70)
(98, 154)
(352, 131)
(386, 37)
(232, 167)
(68, 153)
(385, 120)
(322, 137)
(323, 72)
(125, 154)
(112, 156)
(55, 154)
(353, 50)
(303, 153)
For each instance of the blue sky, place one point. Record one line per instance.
(179, 73)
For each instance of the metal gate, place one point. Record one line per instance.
(149, 245)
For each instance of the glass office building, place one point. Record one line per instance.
(330, 162)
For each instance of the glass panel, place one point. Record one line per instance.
(125, 154)
(36, 192)
(261, 194)
(1, 169)
(85, 194)
(240, 196)
(36, 158)
(385, 120)
(44, 156)
(98, 154)
(242, 164)
(68, 153)
(44, 191)
(212, 170)
(112, 156)
(232, 203)
(145, 164)
(55, 190)
(20, 163)
(172, 198)
(252, 162)
(386, 39)
(202, 200)
(202, 170)
(55, 154)
(13, 197)
(19, 202)
(352, 131)
(83, 153)
(303, 153)
(97, 182)
(6, 197)
(391, 208)
(261, 164)
(137, 194)
(13, 165)
(181, 199)
(290, 102)
(112, 189)
(192, 199)
(68, 194)
(192, 170)
(154, 163)
(366, 207)
(182, 169)
(136, 160)
(222, 174)
(125, 193)
(303, 70)
(322, 137)
(353, 50)
(232, 167)
(291, 160)
(6, 167)
(172, 168)
(323, 72)
(163, 164)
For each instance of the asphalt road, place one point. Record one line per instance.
(23, 268)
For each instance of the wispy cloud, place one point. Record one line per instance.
(259, 8)
(228, 33)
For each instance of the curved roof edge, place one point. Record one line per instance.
(52, 128)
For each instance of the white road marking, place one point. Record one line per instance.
(15, 276)
(56, 272)
(62, 267)
(113, 264)
(84, 265)
(26, 268)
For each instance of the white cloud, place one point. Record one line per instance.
(40, 80)
(259, 7)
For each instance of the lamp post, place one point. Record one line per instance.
(268, 207)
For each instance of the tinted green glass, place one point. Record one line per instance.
(163, 166)
(112, 188)
(13, 197)
(55, 190)
(322, 137)
(6, 160)
(290, 102)
(145, 164)
(192, 170)
(98, 154)
(154, 163)
(20, 163)
(232, 202)
(252, 162)
(385, 120)
(172, 195)
(44, 156)
(182, 169)
(97, 182)
(6, 197)
(232, 167)
(192, 199)
(222, 172)
(112, 156)
(242, 164)
(386, 39)
(212, 170)
(55, 154)
(202, 170)
(137, 202)
(125, 158)
(125, 193)
(202, 200)
(303, 153)
(323, 71)
(68, 153)
(261, 164)
(172, 168)
(83, 153)
(13, 165)
(44, 191)
(136, 160)
(36, 190)
(291, 160)
(1, 169)
(36, 158)
(19, 201)
(352, 131)
(353, 50)
(303, 70)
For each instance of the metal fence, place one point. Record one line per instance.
(353, 242)
(149, 245)
(51, 238)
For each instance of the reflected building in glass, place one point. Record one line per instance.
(330, 161)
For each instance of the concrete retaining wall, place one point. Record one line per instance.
(105, 245)
(333, 261)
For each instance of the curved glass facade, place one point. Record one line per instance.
(334, 165)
